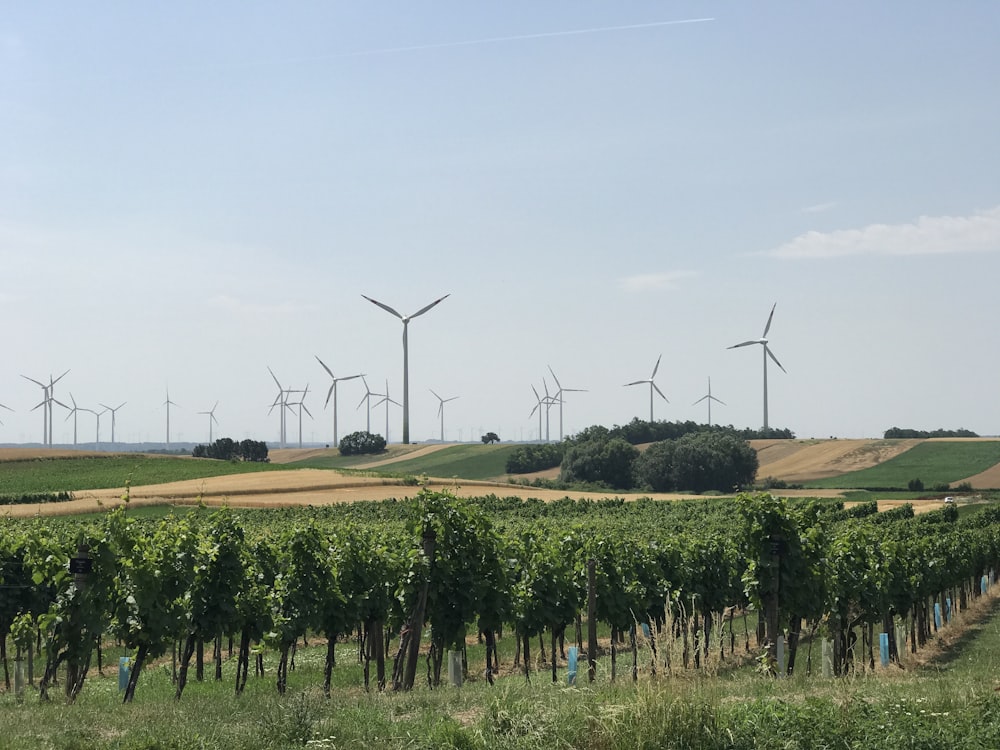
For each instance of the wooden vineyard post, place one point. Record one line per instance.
(591, 620)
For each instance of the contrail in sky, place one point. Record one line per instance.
(521, 37)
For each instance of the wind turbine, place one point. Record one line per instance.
(406, 361)
(333, 392)
(559, 398)
(652, 387)
(767, 353)
(114, 412)
(387, 400)
(368, 398)
(442, 401)
(211, 418)
(97, 437)
(710, 398)
(538, 408)
(282, 399)
(72, 413)
(48, 398)
(168, 403)
(301, 403)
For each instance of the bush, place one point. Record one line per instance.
(361, 443)
(915, 485)
(534, 457)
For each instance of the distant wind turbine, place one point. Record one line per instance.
(97, 437)
(368, 398)
(406, 362)
(559, 398)
(709, 398)
(72, 413)
(333, 392)
(766, 353)
(48, 398)
(387, 400)
(114, 412)
(652, 387)
(211, 419)
(168, 403)
(442, 401)
(282, 400)
(301, 403)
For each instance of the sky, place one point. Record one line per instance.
(192, 193)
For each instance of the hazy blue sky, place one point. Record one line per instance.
(191, 192)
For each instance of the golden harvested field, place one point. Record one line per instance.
(804, 460)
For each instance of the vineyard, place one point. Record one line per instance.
(636, 591)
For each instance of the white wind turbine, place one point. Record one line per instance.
(114, 412)
(168, 403)
(97, 437)
(72, 413)
(652, 387)
(211, 419)
(301, 403)
(333, 392)
(710, 398)
(558, 397)
(282, 400)
(406, 361)
(442, 401)
(387, 400)
(767, 353)
(368, 398)
(537, 407)
(48, 398)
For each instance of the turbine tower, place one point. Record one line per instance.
(387, 400)
(97, 437)
(333, 392)
(114, 412)
(168, 403)
(406, 362)
(211, 418)
(766, 353)
(652, 387)
(442, 401)
(282, 400)
(559, 398)
(710, 398)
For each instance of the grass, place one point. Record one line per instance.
(934, 463)
(461, 461)
(103, 472)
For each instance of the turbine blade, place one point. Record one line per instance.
(535, 391)
(350, 377)
(719, 400)
(53, 382)
(771, 355)
(636, 382)
(330, 393)
(435, 394)
(328, 371)
(275, 378)
(656, 367)
(745, 343)
(385, 307)
(34, 381)
(558, 384)
(422, 310)
(700, 400)
(655, 388)
(769, 317)
(306, 409)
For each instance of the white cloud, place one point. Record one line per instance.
(644, 281)
(928, 235)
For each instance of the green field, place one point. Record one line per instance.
(931, 462)
(462, 461)
(104, 472)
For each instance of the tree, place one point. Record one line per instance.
(698, 462)
(360, 443)
(600, 461)
(489, 438)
